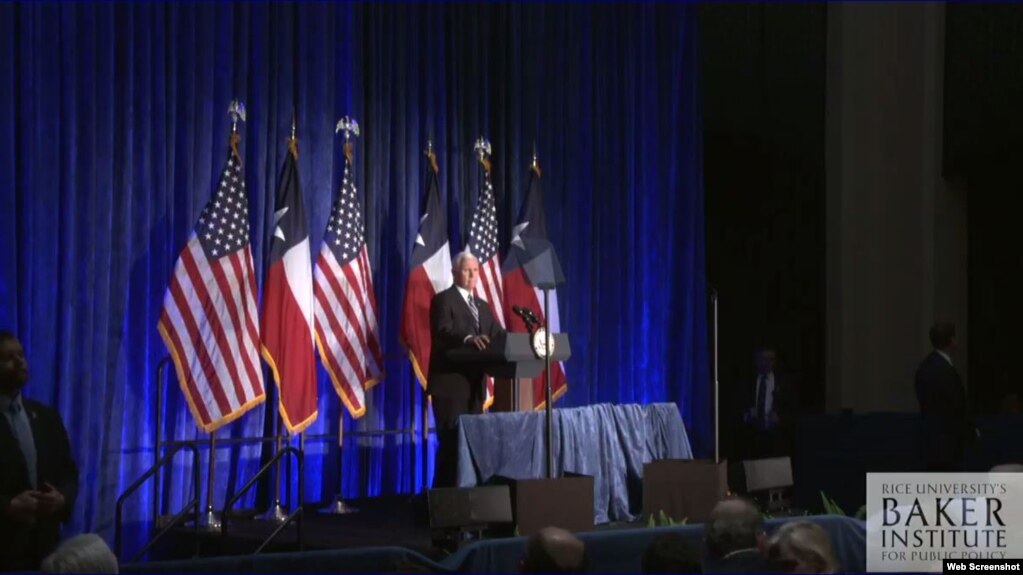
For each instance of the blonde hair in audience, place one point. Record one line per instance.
(804, 546)
(86, 553)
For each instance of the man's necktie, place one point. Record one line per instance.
(762, 401)
(23, 433)
(475, 313)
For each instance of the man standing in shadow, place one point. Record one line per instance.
(947, 418)
(767, 409)
(38, 477)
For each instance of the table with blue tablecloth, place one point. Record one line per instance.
(611, 443)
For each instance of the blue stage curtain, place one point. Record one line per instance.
(113, 130)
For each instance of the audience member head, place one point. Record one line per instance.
(466, 270)
(670, 553)
(13, 365)
(802, 547)
(554, 550)
(943, 336)
(765, 359)
(1007, 468)
(86, 553)
(735, 524)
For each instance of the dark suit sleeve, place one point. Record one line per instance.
(943, 400)
(67, 472)
(446, 334)
(786, 399)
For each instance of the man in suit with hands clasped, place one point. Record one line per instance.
(458, 319)
(38, 478)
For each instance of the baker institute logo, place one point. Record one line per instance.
(917, 520)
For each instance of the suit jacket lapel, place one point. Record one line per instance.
(37, 431)
(10, 445)
(463, 305)
(462, 309)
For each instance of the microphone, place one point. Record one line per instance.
(527, 316)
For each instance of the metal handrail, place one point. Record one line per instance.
(422, 430)
(191, 508)
(311, 436)
(295, 515)
(161, 369)
(192, 505)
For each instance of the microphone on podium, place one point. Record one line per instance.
(527, 316)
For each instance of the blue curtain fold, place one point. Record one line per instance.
(113, 128)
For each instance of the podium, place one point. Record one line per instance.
(513, 364)
(513, 395)
(684, 489)
(517, 393)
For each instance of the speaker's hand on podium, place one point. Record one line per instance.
(480, 341)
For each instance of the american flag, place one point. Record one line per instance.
(483, 245)
(209, 314)
(346, 310)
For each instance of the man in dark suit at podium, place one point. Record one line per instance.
(458, 319)
(947, 419)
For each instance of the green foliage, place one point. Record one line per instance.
(832, 508)
(661, 519)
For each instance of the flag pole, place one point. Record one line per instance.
(277, 512)
(339, 507)
(548, 392)
(425, 404)
(549, 419)
(211, 522)
(717, 384)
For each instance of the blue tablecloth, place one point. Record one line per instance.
(608, 442)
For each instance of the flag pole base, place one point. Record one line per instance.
(210, 522)
(339, 507)
(276, 514)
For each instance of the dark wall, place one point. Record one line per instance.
(763, 79)
(763, 84)
(984, 149)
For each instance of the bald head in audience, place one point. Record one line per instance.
(735, 524)
(554, 550)
(1008, 468)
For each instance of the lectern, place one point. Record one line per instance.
(510, 355)
(513, 388)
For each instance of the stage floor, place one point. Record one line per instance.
(380, 521)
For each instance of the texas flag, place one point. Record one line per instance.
(531, 225)
(430, 274)
(287, 318)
